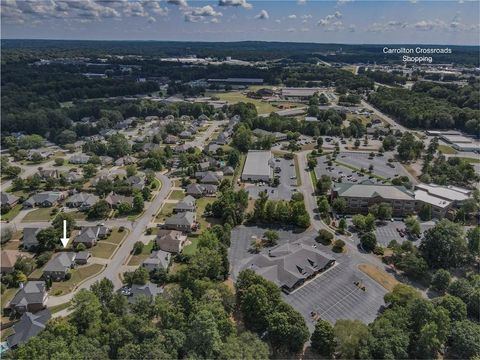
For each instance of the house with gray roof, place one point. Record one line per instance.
(136, 181)
(48, 174)
(73, 177)
(149, 290)
(43, 199)
(82, 201)
(79, 159)
(186, 204)
(31, 297)
(28, 326)
(291, 265)
(8, 199)
(199, 190)
(126, 160)
(29, 241)
(59, 266)
(158, 260)
(209, 177)
(115, 200)
(183, 221)
(89, 235)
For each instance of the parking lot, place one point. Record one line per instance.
(337, 171)
(380, 167)
(331, 295)
(288, 182)
(387, 232)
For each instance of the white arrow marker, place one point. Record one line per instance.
(64, 239)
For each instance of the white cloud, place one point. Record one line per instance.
(329, 19)
(235, 3)
(428, 25)
(301, 2)
(392, 25)
(278, 21)
(291, 30)
(352, 28)
(306, 16)
(342, 2)
(196, 14)
(262, 15)
(292, 16)
(151, 20)
(181, 3)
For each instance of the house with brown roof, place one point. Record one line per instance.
(8, 260)
(171, 240)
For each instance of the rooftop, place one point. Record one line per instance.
(258, 163)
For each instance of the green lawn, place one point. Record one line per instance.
(192, 248)
(117, 236)
(234, 97)
(239, 168)
(103, 250)
(297, 170)
(79, 275)
(78, 215)
(177, 195)
(166, 211)
(12, 213)
(40, 214)
(138, 259)
(57, 308)
(446, 149)
(201, 204)
(470, 160)
(7, 296)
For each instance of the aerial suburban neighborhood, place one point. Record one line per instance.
(237, 200)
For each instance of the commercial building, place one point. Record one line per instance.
(441, 198)
(239, 81)
(291, 265)
(300, 93)
(360, 197)
(461, 143)
(258, 166)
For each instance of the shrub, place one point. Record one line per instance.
(43, 258)
(378, 250)
(80, 247)
(325, 236)
(138, 248)
(121, 229)
(68, 276)
(338, 245)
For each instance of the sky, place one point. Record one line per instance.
(320, 21)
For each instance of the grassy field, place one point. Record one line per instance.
(380, 276)
(470, 160)
(138, 259)
(12, 213)
(8, 295)
(201, 204)
(177, 195)
(79, 275)
(192, 248)
(445, 149)
(103, 250)
(41, 214)
(117, 236)
(166, 211)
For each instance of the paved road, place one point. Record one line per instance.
(387, 118)
(114, 268)
(200, 141)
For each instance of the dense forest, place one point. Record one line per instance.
(246, 50)
(428, 108)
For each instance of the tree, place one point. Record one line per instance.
(99, 210)
(12, 171)
(312, 162)
(368, 241)
(323, 205)
(203, 337)
(131, 170)
(319, 142)
(323, 339)
(59, 161)
(348, 335)
(389, 142)
(382, 211)
(138, 203)
(124, 208)
(89, 171)
(441, 281)
(342, 225)
(339, 205)
(338, 245)
(465, 339)
(473, 237)
(324, 184)
(287, 330)
(57, 223)
(139, 276)
(118, 146)
(271, 237)
(455, 307)
(444, 245)
(247, 346)
(402, 295)
(103, 290)
(242, 138)
(48, 239)
(87, 311)
(413, 225)
(256, 306)
(138, 248)
(425, 212)
(409, 148)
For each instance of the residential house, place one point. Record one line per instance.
(73, 177)
(170, 139)
(137, 182)
(228, 171)
(82, 201)
(209, 177)
(48, 174)
(8, 199)
(182, 148)
(30, 242)
(58, 267)
(126, 160)
(158, 260)
(8, 260)
(115, 200)
(171, 240)
(79, 159)
(31, 297)
(223, 138)
(82, 257)
(186, 204)
(44, 155)
(106, 160)
(184, 221)
(43, 199)
(185, 134)
(149, 290)
(199, 190)
(89, 235)
(204, 166)
(28, 326)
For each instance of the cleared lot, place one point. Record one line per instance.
(288, 182)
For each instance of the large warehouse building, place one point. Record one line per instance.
(258, 166)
